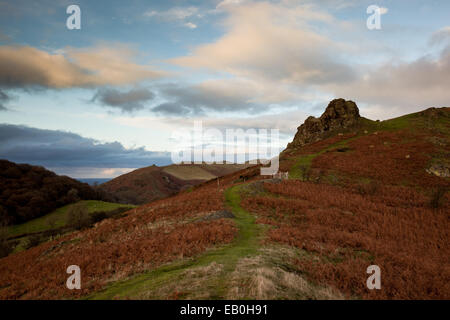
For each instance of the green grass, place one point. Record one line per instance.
(397, 123)
(245, 244)
(415, 120)
(59, 217)
(303, 163)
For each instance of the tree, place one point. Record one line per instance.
(73, 195)
(78, 216)
(33, 241)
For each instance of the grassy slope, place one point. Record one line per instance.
(59, 217)
(55, 220)
(303, 163)
(246, 244)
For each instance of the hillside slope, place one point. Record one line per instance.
(360, 193)
(28, 192)
(151, 183)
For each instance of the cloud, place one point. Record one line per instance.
(172, 108)
(4, 98)
(440, 36)
(126, 101)
(180, 14)
(190, 25)
(285, 122)
(90, 173)
(227, 3)
(210, 95)
(273, 42)
(291, 48)
(175, 13)
(403, 86)
(24, 66)
(56, 149)
(337, 4)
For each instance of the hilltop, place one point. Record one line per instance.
(151, 183)
(359, 193)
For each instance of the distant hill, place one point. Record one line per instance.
(94, 181)
(28, 192)
(151, 183)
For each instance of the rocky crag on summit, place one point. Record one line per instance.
(340, 114)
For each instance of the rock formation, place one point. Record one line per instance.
(340, 114)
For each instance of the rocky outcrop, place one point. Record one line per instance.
(440, 169)
(340, 114)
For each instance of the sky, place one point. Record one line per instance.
(101, 100)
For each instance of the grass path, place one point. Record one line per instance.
(246, 244)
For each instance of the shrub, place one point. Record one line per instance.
(369, 189)
(99, 216)
(33, 241)
(305, 172)
(73, 195)
(438, 197)
(78, 216)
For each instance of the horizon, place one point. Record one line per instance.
(105, 99)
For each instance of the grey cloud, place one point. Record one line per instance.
(4, 98)
(170, 108)
(196, 99)
(440, 36)
(52, 148)
(126, 101)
